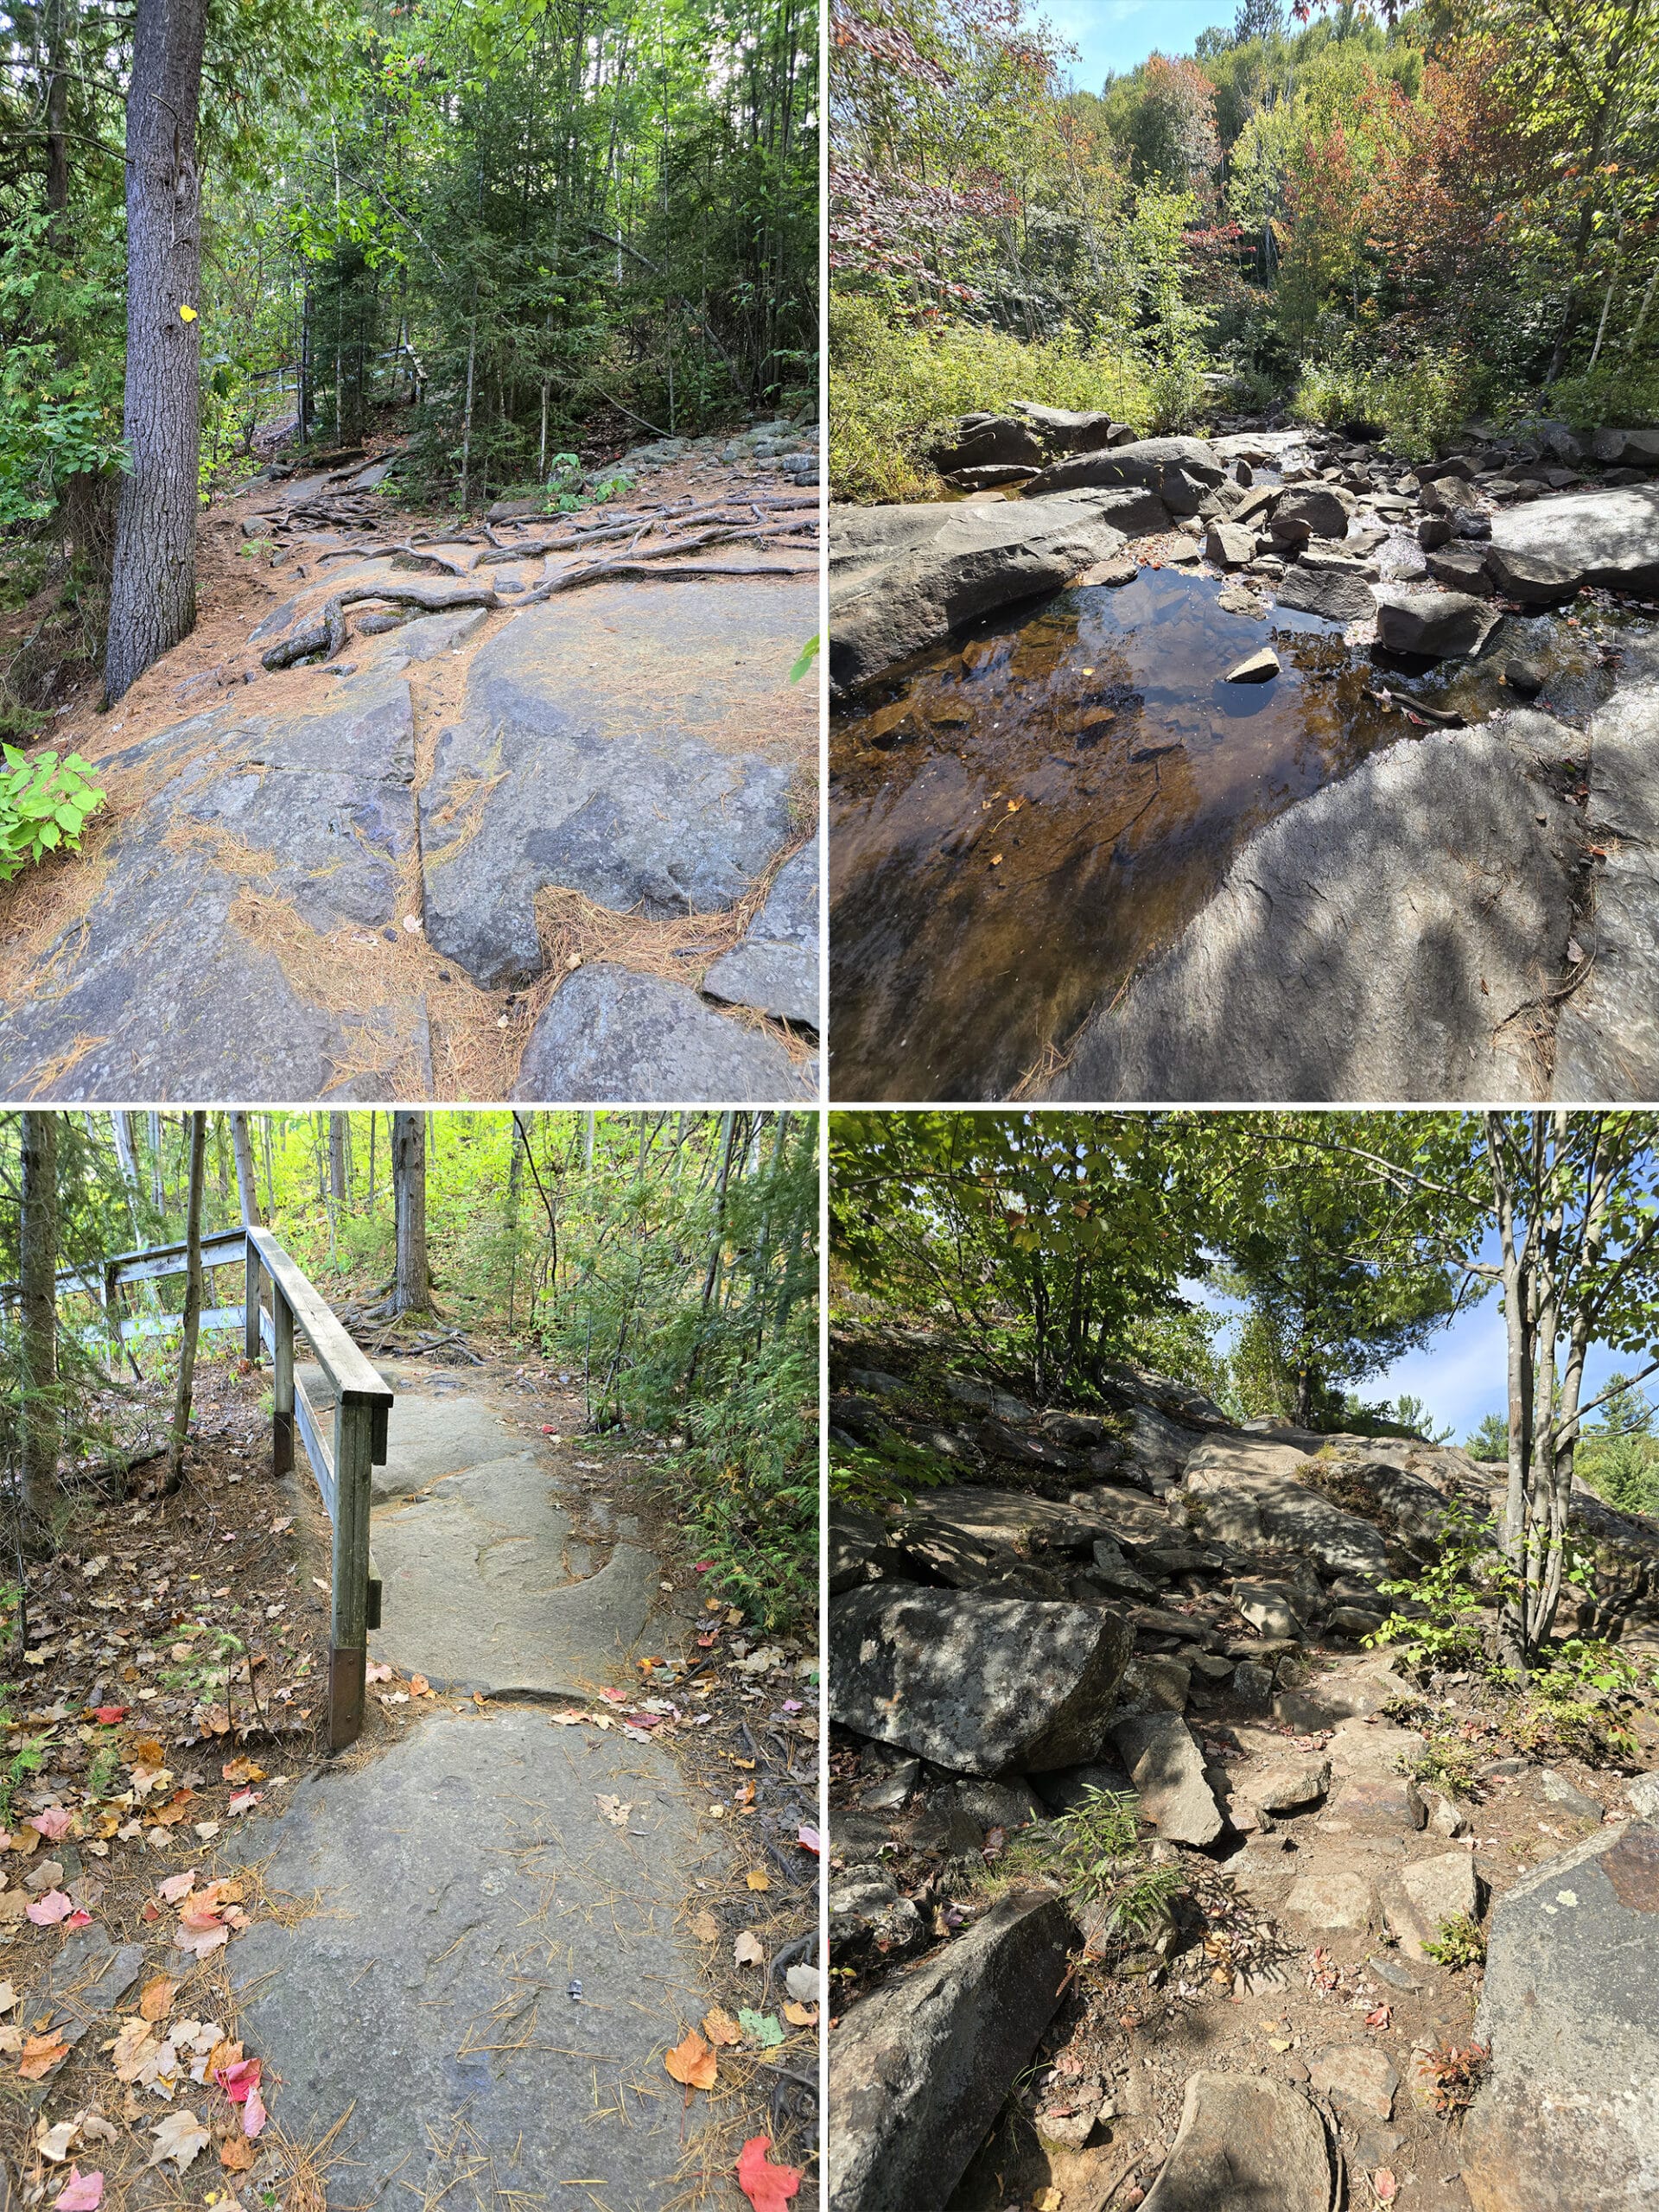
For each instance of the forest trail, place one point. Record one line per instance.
(498, 1950)
(493, 845)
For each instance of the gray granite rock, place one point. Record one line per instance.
(775, 969)
(612, 1035)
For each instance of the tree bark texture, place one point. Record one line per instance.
(192, 1304)
(39, 1316)
(413, 1290)
(153, 590)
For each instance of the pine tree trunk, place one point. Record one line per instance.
(153, 590)
(192, 1306)
(412, 1292)
(39, 1256)
(247, 1189)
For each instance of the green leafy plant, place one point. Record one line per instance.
(101, 1773)
(611, 487)
(1467, 1576)
(1103, 1871)
(564, 483)
(1449, 1761)
(208, 1668)
(864, 1477)
(28, 1759)
(1460, 1943)
(44, 803)
(809, 653)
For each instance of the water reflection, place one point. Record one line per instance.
(1017, 823)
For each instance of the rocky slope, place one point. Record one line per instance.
(1145, 1598)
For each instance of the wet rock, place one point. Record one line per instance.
(1357, 2076)
(1566, 2010)
(573, 763)
(869, 1920)
(918, 2071)
(1245, 2144)
(610, 1033)
(1443, 624)
(1176, 471)
(1524, 677)
(1600, 536)
(1325, 592)
(1256, 668)
(1430, 1892)
(1343, 989)
(1168, 1770)
(775, 969)
(986, 1685)
(1122, 568)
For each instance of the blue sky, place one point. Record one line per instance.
(1117, 34)
(1462, 1373)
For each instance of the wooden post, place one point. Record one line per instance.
(281, 1382)
(250, 1343)
(348, 1639)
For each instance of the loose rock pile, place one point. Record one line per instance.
(1140, 1597)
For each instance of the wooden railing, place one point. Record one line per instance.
(362, 1412)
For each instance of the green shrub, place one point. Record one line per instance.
(1420, 405)
(44, 803)
(1616, 392)
(893, 388)
(1461, 1944)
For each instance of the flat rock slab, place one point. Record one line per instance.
(481, 1593)
(1246, 2144)
(82, 1987)
(610, 1034)
(465, 1877)
(1254, 1495)
(904, 578)
(163, 993)
(1603, 537)
(1010, 1517)
(980, 1685)
(1607, 1033)
(1381, 939)
(775, 970)
(1567, 2012)
(1166, 1768)
(607, 745)
(918, 2072)
(430, 1434)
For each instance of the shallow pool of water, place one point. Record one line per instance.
(1019, 821)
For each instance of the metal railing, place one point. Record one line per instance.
(362, 1412)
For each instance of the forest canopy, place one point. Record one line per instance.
(1408, 216)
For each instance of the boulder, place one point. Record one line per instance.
(1443, 624)
(1567, 2014)
(1230, 544)
(1253, 1497)
(999, 442)
(858, 1547)
(1430, 1892)
(1607, 536)
(1177, 471)
(1335, 1900)
(1310, 511)
(1626, 449)
(1308, 976)
(1246, 2144)
(775, 969)
(1268, 1606)
(1286, 1785)
(904, 578)
(1168, 1770)
(987, 1686)
(1375, 1804)
(611, 1034)
(919, 2071)
(1328, 592)
(1534, 579)
(1066, 429)
(1460, 567)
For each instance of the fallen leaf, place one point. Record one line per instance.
(614, 1810)
(47, 1911)
(1383, 2186)
(1379, 2018)
(801, 2016)
(58, 2142)
(693, 2062)
(767, 2187)
(80, 2193)
(242, 1771)
(108, 1715)
(236, 2154)
(8, 1997)
(721, 2028)
(809, 1839)
(52, 1823)
(135, 2045)
(747, 1950)
(1047, 2200)
(805, 1983)
(253, 2113)
(704, 1927)
(419, 1686)
(761, 2028)
(179, 2137)
(757, 1878)
(41, 2054)
(243, 1801)
(377, 1672)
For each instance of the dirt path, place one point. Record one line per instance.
(372, 876)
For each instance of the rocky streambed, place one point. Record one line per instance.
(1121, 806)
(1143, 1598)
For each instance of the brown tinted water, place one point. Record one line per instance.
(1018, 822)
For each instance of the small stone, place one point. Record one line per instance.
(1376, 1804)
(1256, 668)
(1331, 1900)
(1432, 1891)
(1123, 570)
(1560, 1791)
(1356, 2074)
(1252, 1686)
